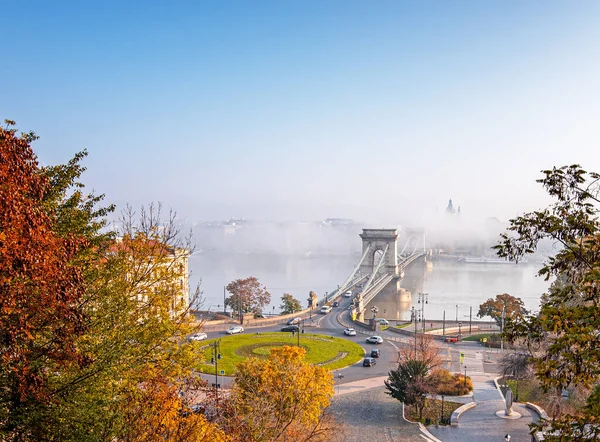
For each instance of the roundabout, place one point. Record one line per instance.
(326, 351)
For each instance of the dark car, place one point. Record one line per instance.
(375, 353)
(336, 304)
(369, 362)
(290, 328)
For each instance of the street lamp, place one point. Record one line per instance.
(456, 312)
(374, 309)
(442, 409)
(423, 298)
(459, 326)
(465, 376)
(216, 355)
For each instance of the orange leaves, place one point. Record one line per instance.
(282, 396)
(39, 289)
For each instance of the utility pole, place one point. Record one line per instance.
(470, 318)
(415, 336)
(224, 297)
(444, 330)
(456, 313)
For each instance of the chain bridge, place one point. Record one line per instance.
(381, 263)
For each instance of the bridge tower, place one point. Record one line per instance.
(378, 242)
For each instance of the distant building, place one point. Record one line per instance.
(450, 209)
(168, 268)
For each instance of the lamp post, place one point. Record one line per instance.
(216, 355)
(374, 309)
(444, 325)
(502, 328)
(459, 329)
(423, 299)
(442, 409)
(415, 318)
(465, 376)
(456, 312)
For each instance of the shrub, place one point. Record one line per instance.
(450, 384)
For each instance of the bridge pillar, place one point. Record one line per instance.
(376, 241)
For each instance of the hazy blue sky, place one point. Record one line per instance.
(311, 109)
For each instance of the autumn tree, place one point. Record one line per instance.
(502, 305)
(92, 321)
(280, 398)
(563, 339)
(247, 295)
(289, 304)
(41, 289)
(423, 349)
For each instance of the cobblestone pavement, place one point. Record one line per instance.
(372, 415)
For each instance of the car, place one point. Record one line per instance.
(349, 332)
(351, 306)
(375, 353)
(383, 321)
(235, 329)
(348, 294)
(290, 328)
(369, 362)
(198, 337)
(294, 321)
(375, 340)
(336, 304)
(325, 309)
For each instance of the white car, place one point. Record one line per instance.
(375, 340)
(294, 321)
(348, 294)
(235, 329)
(383, 321)
(198, 337)
(349, 332)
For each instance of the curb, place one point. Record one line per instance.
(539, 410)
(427, 433)
(460, 410)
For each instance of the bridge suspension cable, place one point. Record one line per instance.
(345, 284)
(366, 287)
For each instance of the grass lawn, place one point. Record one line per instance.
(432, 412)
(408, 324)
(326, 351)
(526, 387)
(477, 337)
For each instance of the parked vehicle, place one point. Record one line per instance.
(375, 353)
(375, 340)
(369, 362)
(294, 321)
(198, 337)
(235, 329)
(290, 328)
(349, 332)
(325, 309)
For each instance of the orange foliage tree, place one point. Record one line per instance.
(40, 289)
(280, 398)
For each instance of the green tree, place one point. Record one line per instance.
(289, 304)
(247, 295)
(510, 305)
(410, 384)
(563, 338)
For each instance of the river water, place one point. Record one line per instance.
(448, 283)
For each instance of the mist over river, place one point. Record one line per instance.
(449, 283)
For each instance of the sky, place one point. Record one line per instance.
(304, 110)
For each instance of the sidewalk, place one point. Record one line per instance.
(481, 423)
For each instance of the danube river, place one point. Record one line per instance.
(448, 283)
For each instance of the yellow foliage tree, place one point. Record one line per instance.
(281, 398)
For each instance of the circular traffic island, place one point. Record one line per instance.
(325, 351)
